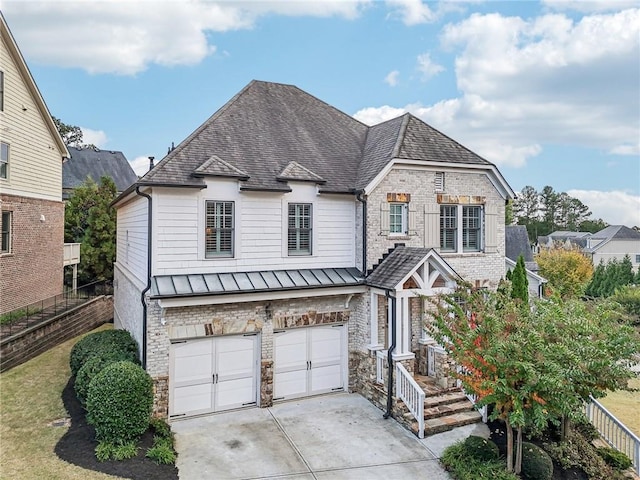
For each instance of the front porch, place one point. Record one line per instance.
(426, 397)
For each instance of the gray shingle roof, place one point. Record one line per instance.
(516, 242)
(94, 163)
(277, 133)
(618, 232)
(264, 128)
(396, 266)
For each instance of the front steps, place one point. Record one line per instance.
(444, 409)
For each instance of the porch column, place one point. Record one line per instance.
(373, 322)
(403, 328)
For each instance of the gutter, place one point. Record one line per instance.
(148, 287)
(360, 198)
(392, 347)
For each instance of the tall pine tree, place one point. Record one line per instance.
(519, 281)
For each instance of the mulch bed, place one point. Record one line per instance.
(499, 437)
(78, 444)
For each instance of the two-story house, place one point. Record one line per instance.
(284, 249)
(31, 155)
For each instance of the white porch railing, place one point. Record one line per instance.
(411, 394)
(381, 356)
(614, 432)
(473, 398)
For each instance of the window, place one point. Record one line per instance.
(448, 228)
(637, 258)
(6, 233)
(471, 228)
(4, 159)
(461, 225)
(398, 218)
(1, 91)
(219, 229)
(299, 234)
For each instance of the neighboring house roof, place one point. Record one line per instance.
(170, 286)
(612, 232)
(95, 163)
(516, 241)
(274, 133)
(577, 239)
(14, 51)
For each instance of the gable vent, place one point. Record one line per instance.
(439, 183)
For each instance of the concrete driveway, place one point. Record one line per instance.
(340, 436)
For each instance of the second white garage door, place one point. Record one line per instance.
(213, 374)
(309, 361)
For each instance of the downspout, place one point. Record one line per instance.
(360, 198)
(392, 347)
(148, 287)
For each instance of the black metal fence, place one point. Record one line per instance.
(37, 312)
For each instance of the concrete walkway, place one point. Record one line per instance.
(340, 436)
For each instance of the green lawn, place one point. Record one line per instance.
(625, 406)
(30, 399)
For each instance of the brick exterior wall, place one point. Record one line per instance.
(32, 342)
(483, 269)
(33, 270)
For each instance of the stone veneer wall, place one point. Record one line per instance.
(208, 320)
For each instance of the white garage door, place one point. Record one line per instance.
(213, 374)
(308, 361)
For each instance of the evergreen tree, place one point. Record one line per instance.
(91, 221)
(594, 287)
(636, 280)
(520, 284)
(610, 281)
(625, 272)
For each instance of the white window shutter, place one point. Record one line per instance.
(384, 218)
(412, 227)
(432, 225)
(490, 228)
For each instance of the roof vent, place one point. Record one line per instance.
(151, 162)
(439, 183)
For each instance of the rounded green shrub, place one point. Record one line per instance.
(536, 463)
(615, 458)
(91, 367)
(100, 342)
(481, 449)
(119, 402)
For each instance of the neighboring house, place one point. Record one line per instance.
(91, 162)
(614, 242)
(516, 243)
(276, 248)
(565, 239)
(31, 155)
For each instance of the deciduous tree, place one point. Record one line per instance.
(567, 270)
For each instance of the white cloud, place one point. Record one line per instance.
(427, 67)
(140, 165)
(547, 80)
(412, 12)
(615, 207)
(94, 137)
(590, 5)
(125, 37)
(392, 78)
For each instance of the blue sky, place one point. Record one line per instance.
(548, 91)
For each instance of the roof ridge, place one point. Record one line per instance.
(401, 135)
(183, 144)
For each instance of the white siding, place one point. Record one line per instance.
(616, 249)
(35, 160)
(260, 224)
(132, 237)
